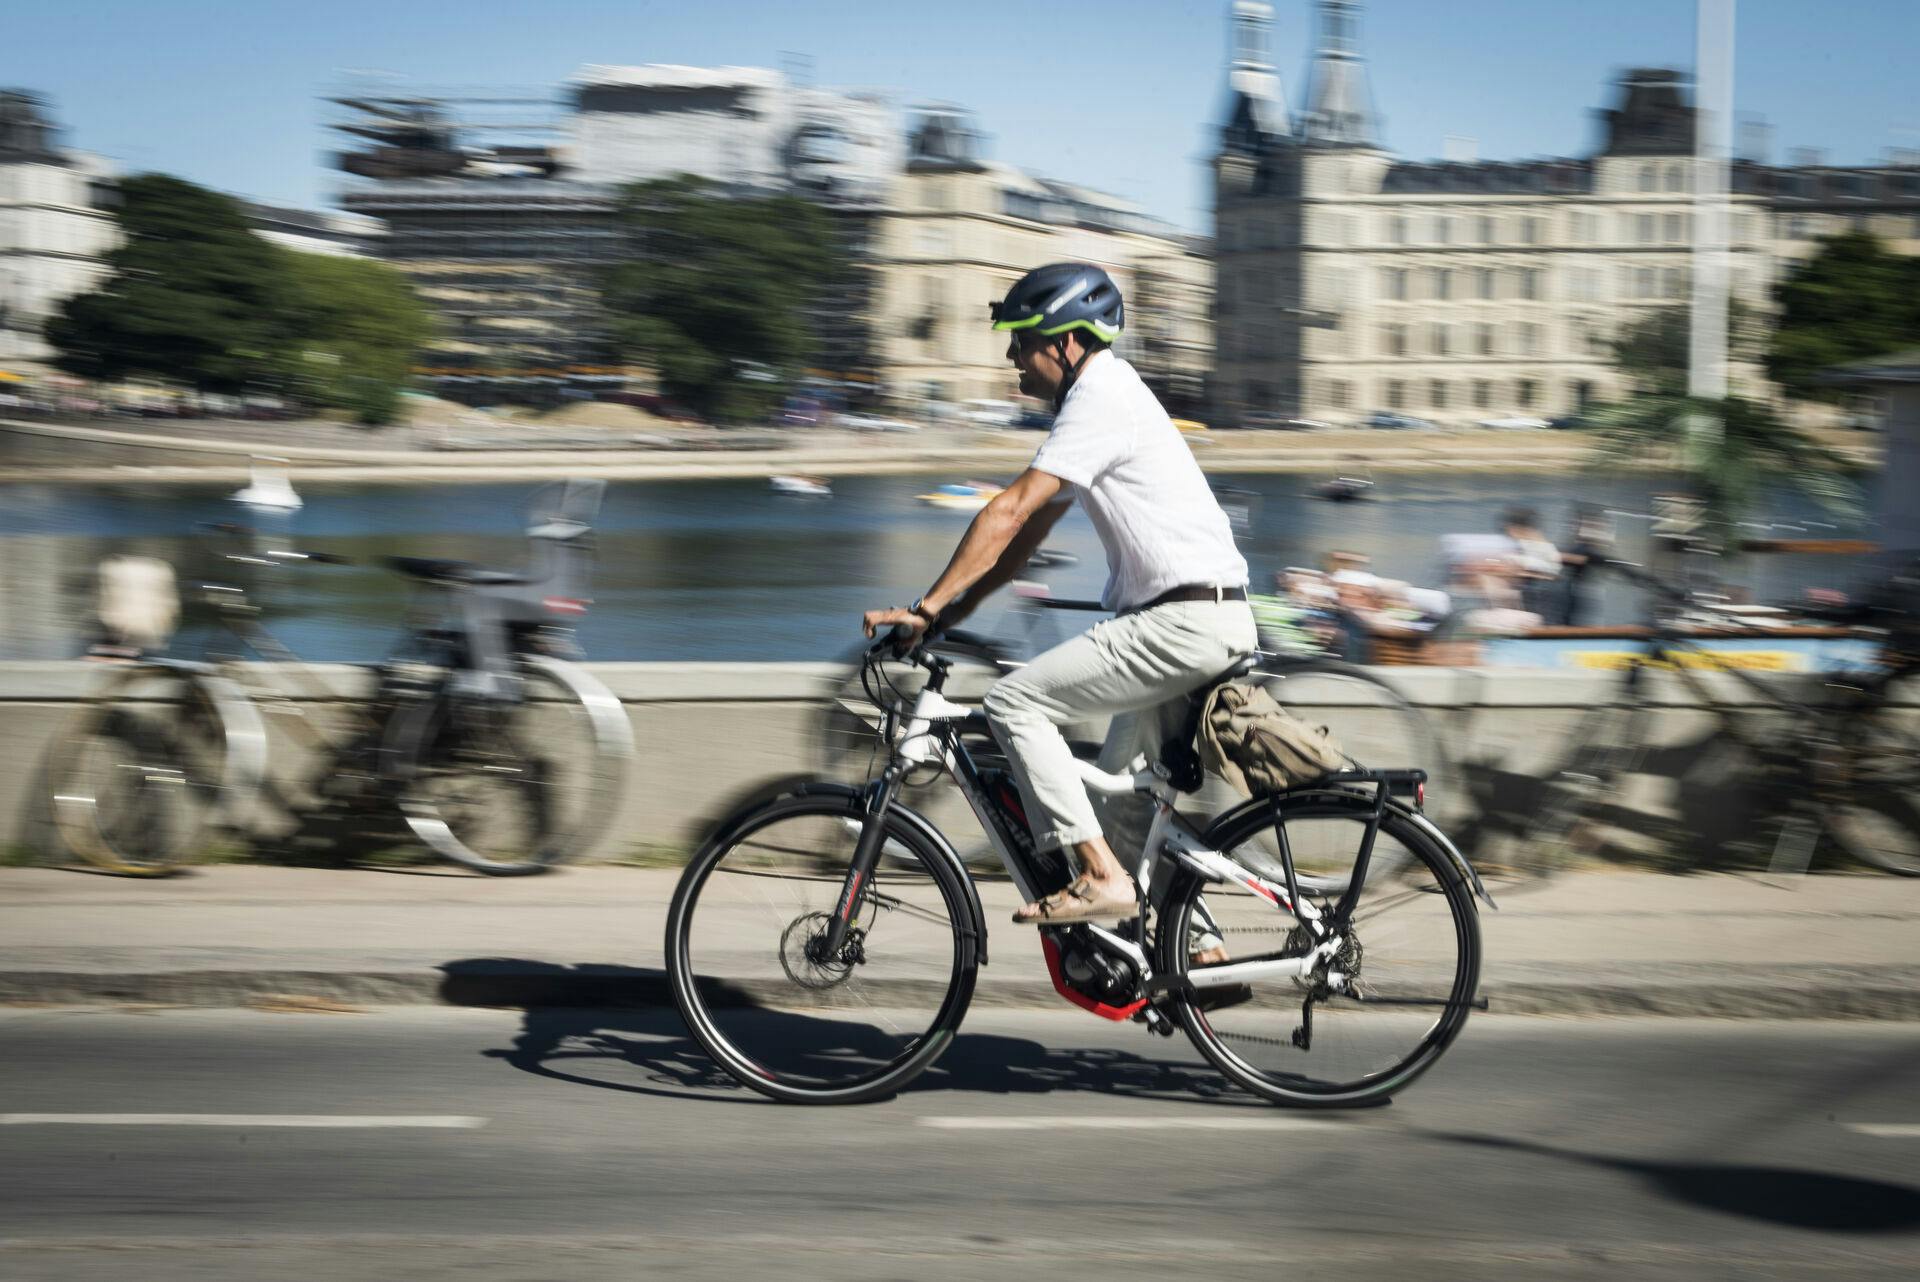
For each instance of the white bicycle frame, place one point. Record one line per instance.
(1168, 835)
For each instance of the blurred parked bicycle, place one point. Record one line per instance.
(491, 748)
(1836, 756)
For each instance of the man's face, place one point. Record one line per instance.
(1041, 372)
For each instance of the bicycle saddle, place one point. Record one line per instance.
(435, 570)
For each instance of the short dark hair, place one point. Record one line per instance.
(1520, 516)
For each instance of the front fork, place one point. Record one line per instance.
(866, 855)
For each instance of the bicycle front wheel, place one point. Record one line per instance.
(744, 952)
(509, 788)
(150, 765)
(1381, 1010)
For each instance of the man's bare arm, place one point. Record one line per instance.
(986, 541)
(1011, 562)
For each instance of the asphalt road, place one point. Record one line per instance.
(438, 1143)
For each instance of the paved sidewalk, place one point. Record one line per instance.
(1599, 943)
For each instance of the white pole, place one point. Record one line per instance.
(1713, 136)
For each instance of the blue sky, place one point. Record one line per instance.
(1118, 95)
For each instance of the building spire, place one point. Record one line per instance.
(1339, 106)
(1255, 108)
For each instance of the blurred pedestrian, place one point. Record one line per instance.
(1591, 541)
(1535, 561)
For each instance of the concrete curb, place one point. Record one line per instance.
(518, 987)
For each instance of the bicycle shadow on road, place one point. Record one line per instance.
(592, 1024)
(1777, 1195)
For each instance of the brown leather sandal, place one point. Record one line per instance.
(1075, 903)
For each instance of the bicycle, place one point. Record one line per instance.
(824, 943)
(1844, 765)
(491, 749)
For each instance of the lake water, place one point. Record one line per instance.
(727, 570)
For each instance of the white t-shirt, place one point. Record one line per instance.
(1136, 478)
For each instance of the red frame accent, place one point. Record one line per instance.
(1052, 952)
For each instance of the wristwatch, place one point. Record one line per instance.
(919, 607)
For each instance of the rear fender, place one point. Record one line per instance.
(1420, 821)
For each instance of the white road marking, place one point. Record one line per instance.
(1886, 1130)
(309, 1121)
(1128, 1124)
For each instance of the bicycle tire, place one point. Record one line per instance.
(450, 741)
(1195, 906)
(1870, 809)
(724, 990)
(183, 751)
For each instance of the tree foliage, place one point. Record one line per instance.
(715, 291)
(1853, 299)
(192, 295)
(357, 325)
(1653, 351)
(1731, 451)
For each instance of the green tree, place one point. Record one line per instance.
(1852, 299)
(1731, 450)
(714, 291)
(356, 326)
(1653, 351)
(191, 295)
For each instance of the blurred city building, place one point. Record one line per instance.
(960, 228)
(498, 235)
(1353, 281)
(56, 224)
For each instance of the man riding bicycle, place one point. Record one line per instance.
(1176, 582)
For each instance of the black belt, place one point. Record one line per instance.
(1192, 592)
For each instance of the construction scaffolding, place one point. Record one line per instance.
(496, 235)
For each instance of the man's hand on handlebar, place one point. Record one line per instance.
(908, 627)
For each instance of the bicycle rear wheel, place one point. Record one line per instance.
(512, 788)
(1411, 961)
(742, 946)
(150, 765)
(1375, 726)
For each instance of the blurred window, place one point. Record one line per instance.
(1437, 394)
(1482, 393)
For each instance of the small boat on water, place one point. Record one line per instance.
(1344, 489)
(964, 496)
(268, 489)
(803, 487)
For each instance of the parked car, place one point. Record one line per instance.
(986, 413)
(1566, 421)
(1391, 422)
(1190, 426)
(1513, 423)
(873, 423)
(1035, 420)
(1273, 421)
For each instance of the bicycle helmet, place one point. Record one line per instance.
(1058, 299)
